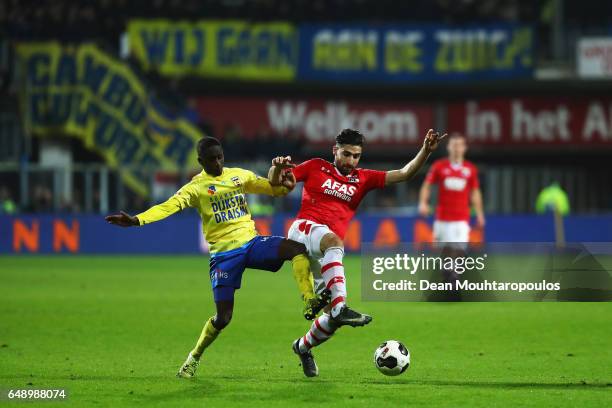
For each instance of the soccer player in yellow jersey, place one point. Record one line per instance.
(218, 194)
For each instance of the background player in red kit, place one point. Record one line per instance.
(332, 192)
(458, 186)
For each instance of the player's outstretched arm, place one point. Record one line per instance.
(185, 197)
(431, 142)
(122, 219)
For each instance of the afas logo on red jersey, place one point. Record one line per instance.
(339, 187)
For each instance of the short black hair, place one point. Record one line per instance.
(350, 137)
(205, 143)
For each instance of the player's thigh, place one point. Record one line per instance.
(289, 249)
(263, 253)
(226, 271)
(310, 234)
(299, 233)
(451, 235)
(460, 231)
(296, 235)
(440, 230)
(224, 301)
(322, 238)
(462, 235)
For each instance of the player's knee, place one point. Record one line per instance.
(223, 319)
(294, 248)
(331, 241)
(299, 248)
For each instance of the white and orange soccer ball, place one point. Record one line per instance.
(392, 358)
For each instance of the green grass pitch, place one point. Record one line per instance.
(113, 332)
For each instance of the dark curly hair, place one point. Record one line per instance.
(350, 137)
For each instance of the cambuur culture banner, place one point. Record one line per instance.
(88, 94)
(223, 49)
(280, 51)
(414, 52)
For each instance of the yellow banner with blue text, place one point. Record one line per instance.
(222, 49)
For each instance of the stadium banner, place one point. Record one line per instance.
(320, 120)
(534, 121)
(181, 234)
(220, 49)
(281, 51)
(90, 95)
(417, 52)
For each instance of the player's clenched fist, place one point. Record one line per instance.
(122, 219)
(432, 139)
(288, 179)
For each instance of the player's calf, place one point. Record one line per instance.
(332, 271)
(212, 329)
(300, 264)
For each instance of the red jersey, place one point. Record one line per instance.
(455, 182)
(330, 198)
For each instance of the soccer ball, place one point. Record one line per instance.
(392, 358)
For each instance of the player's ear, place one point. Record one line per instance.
(335, 149)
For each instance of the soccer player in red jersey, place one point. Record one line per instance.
(332, 192)
(458, 186)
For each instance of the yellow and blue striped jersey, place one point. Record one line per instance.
(221, 203)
